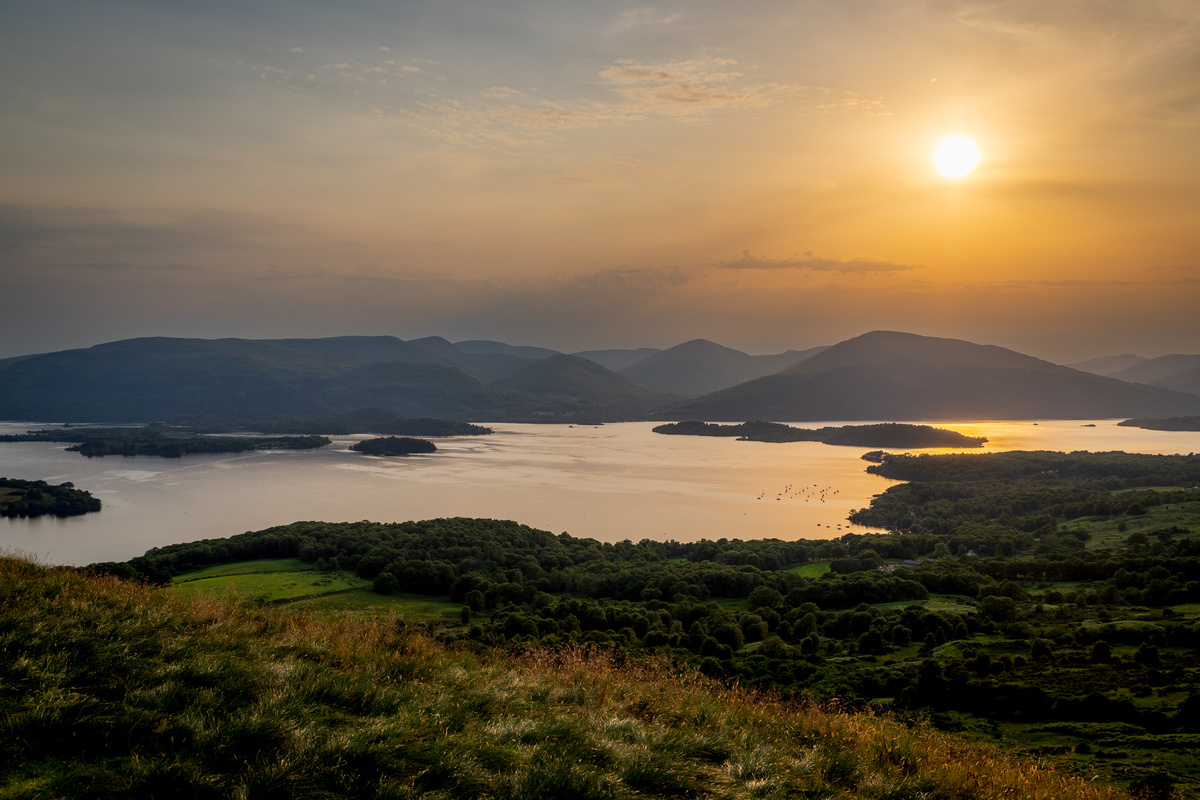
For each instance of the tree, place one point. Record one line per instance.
(931, 685)
(729, 634)
(1147, 655)
(999, 608)
(475, 600)
(774, 647)
(764, 597)
(386, 583)
(753, 628)
(871, 642)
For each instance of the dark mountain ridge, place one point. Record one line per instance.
(162, 378)
(700, 367)
(877, 376)
(903, 376)
(488, 347)
(1186, 381)
(1107, 365)
(578, 384)
(1155, 370)
(617, 359)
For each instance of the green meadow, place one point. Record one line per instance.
(266, 581)
(300, 584)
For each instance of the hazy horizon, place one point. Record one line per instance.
(601, 175)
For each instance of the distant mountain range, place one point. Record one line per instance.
(1187, 380)
(1155, 370)
(618, 359)
(699, 367)
(1107, 365)
(901, 376)
(877, 376)
(577, 384)
(1179, 372)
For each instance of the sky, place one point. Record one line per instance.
(601, 174)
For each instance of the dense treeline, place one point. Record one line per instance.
(21, 498)
(434, 553)
(394, 446)
(889, 434)
(1113, 470)
(160, 440)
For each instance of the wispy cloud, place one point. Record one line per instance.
(502, 93)
(848, 102)
(808, 261)
(125, 266)
(703, 277)
(631, 92)
(632, 18)
(686, 88)
(673, 90)
(1146, 278)
(99, 239)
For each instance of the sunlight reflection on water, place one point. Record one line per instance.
(610, 482)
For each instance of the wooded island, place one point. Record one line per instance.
(160, 440)
(891, 434)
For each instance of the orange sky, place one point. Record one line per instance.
(601, 174)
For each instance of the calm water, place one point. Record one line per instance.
(610, 482)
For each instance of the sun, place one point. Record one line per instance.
(955, 157)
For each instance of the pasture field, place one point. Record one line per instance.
(266, 581)
(813, 570)
(362, 599)
(1107, 533)
(297, 583)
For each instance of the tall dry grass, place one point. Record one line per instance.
(114, 690)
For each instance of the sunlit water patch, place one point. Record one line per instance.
(610, 482)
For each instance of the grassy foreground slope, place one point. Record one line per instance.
(111, 689)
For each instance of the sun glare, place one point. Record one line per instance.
(955, 156)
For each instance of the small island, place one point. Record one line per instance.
(394, 446)
(160, 440)
(891, 434)
(21, 498)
